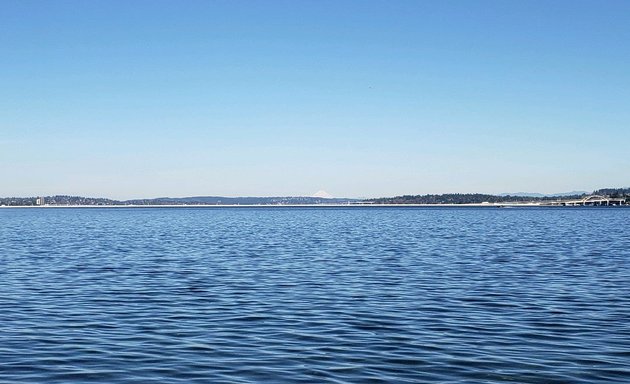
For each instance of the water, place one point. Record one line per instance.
(315, 295)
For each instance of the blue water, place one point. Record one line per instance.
(240, 295)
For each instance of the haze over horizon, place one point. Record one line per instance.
(360, 99)
(319, 194)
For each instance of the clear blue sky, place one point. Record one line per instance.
(128, 99)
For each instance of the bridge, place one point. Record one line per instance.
(592, 200)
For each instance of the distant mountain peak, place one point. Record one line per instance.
(322, 194)
(523, 194)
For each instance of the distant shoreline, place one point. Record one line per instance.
(488, 205)
(605, 196)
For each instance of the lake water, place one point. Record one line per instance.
(243, 295)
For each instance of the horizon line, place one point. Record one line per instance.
(516, 194)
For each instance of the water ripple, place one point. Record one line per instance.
(249, 295)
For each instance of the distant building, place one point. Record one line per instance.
(39, 201)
